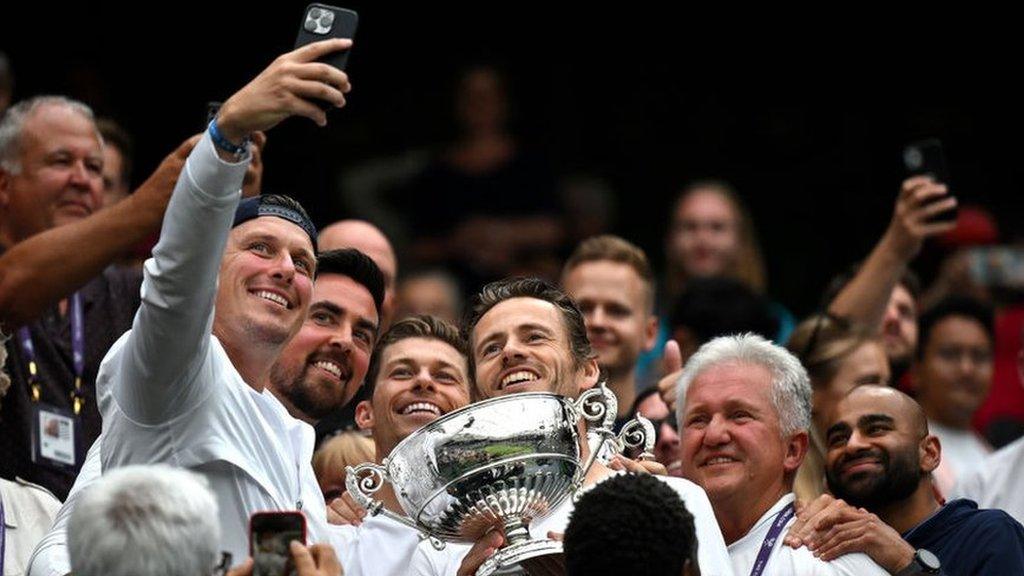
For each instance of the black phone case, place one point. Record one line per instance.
(341, 24)
(926, 158)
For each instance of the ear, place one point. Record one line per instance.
(929, 454)
(650, 333)
(364, 415)
(796, 449)
(590, 372)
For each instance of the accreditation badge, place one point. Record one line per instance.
(56, 437)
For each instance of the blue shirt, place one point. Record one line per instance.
(971, 541)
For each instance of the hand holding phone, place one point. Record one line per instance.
(320, 22)
(270, 538)
(926, 158)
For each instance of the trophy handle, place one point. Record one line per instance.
(598, 407)
(363, 481)
(638, 433)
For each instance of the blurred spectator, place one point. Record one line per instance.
(487, 204)
(996, 483)
(712, 234)
(590, 207)
(145, 521)
(631, 524)
(712, 307)
(666, 446)
(369, 240)
(6, 83)
(882, 295)
(838, 357)
(952, 376)
(26, 510)
(333, 455)
(118, 161)
(429, 291)
(613, 284)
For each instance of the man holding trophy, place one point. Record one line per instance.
(526, 336)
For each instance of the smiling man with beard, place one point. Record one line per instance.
(525, 335)
(881, 458)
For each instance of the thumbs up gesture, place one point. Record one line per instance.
(672, 367)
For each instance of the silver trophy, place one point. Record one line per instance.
(500, 463)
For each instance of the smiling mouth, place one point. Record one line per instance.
(520, 377)
(331, 367)
(421, 408)
(272, 297)
(718, 461)
(860, 465)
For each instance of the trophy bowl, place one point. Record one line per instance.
(497, 464)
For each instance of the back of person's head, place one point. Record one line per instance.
(630, 524)
(145, 521)
(712, 307)
(822, 342)
(337, 453)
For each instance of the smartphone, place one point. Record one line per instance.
(321, 22)
(270, 537)
(926, 158)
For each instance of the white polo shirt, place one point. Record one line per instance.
(997, 482)
(786, 561)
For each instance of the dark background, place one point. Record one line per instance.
(805, 113)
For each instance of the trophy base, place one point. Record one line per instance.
(516, 553)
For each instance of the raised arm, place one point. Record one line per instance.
(171, 331)
(37, 273)
(865, 298)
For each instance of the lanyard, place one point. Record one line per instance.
(769, 540)
(77, 352)
(3, 535)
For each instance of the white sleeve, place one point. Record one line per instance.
(50, 557)
(426, 561)
(171, 332)
(712, 554)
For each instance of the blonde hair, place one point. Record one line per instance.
(345, 449)
(822, 343)
(748, 266)
(608, 247)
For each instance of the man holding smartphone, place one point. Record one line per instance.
(172, 391)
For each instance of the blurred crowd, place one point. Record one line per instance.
(155, 394)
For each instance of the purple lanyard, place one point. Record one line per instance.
(769, 541)
(3, 535)
(77, 353)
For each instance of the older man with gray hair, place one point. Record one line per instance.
(145, 520)
(744, 412)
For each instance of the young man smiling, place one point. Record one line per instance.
(525, 335)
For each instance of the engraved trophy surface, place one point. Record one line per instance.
(500, 463)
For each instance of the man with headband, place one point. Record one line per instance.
(170, 390)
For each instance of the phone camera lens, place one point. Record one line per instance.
(311, 25)
(315, 13)
(327, 19)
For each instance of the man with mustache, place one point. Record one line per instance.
(318, 372)
(881, 457)
(528, 336)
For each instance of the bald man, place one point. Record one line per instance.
(369, 240)
(880, 461)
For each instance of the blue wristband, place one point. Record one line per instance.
(226, 145)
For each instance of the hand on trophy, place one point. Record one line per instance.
(483, 549)
(344, 510)
(620, 462)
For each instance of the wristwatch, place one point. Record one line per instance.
(924, 562)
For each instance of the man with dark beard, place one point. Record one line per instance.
(880, 461)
